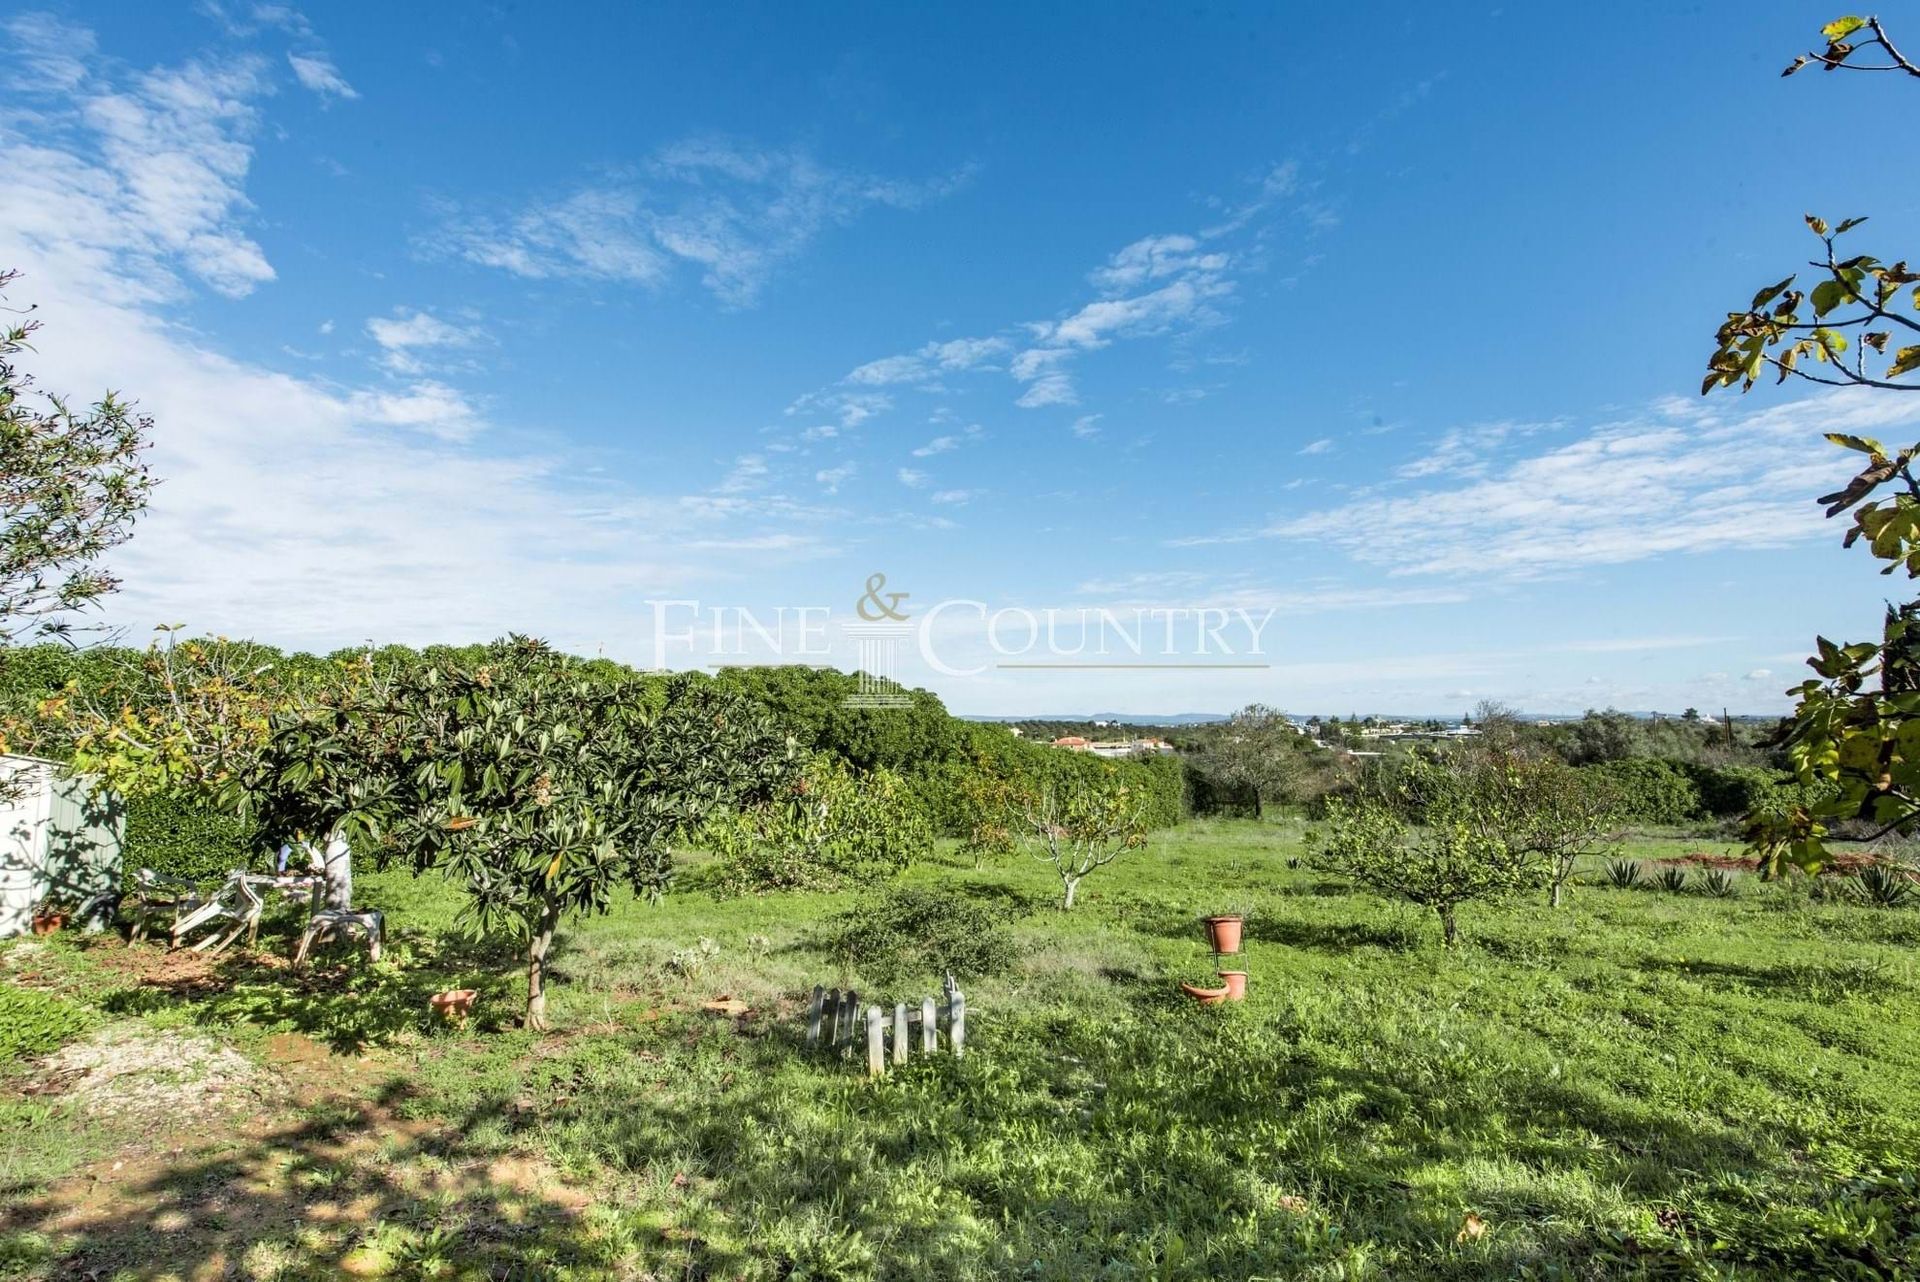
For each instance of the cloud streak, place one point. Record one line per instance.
(732, 213)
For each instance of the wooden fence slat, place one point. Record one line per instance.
(929, 1032)
(957, 1023)
(876, 1043)
(833, 1018)
(900, 1032)
(813, 1015)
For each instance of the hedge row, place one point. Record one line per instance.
(941, 785)
(1657, 791)
(181, 839)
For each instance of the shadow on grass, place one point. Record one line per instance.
(341, 999)
(1342, 936)
(1092, 1149)
(1186, 1144)
(347, 1190)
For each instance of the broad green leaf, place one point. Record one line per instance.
(1905, 360)
(1840, 28)
(1819, 225)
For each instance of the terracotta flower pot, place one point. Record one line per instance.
(47, 923)
(1205, 996)
(1224, 933)
(454, 1005)
(1236, 981)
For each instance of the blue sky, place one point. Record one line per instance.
(460, 322)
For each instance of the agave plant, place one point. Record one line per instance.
(1883, 886)
(1624, 874)
(1718, 882)
(1672, 878)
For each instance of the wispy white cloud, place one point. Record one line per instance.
(949, 442)
(1685, 477)
(403, 336)
(315, 71)
(49, 56)
(306, 511)
(832, 478)
(167, 150)
(732, 212)
(1322, 446)
(924, 367)
(912, 478)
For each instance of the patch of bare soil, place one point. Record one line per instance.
(285, 1169)
(131, 1073)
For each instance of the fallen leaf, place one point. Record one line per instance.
(1472, 1229)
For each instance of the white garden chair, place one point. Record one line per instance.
(237, 901)
(158, 895)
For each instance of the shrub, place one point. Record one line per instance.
(826, 824)
(1672, 879)
(911, 931)
(1650, 791)
(1731, 791)
(182, 839)
(33, 1022)
(1718, 882)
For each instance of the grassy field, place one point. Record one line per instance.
(1640, 1084)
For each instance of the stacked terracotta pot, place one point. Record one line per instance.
(1223, 936)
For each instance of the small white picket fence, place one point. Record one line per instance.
(834, 1017)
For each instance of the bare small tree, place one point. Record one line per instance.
(1080, 825)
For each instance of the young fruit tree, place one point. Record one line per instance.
(71, 486)
(535, 782)
(1854, 322)
(1429, 838)
(1563, 817)
(1540, 809)
(1078, 824)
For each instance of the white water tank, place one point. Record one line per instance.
(59, 843)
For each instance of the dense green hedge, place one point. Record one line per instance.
(1651, 791)
(184, 840)
(940, 784)
(1657, 791)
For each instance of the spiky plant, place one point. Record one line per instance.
(1673, 879)
(1719, 883)
(1623, 874)
(1883, 886)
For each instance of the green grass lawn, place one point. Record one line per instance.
(1636, 1085)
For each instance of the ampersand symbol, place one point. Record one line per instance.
(887, 609)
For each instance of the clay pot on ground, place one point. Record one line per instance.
(1205, 996)
(454, 1005)
(1223, 933)
(1236, 981)
(47, 921)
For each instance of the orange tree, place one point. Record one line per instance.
(1854, 321)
